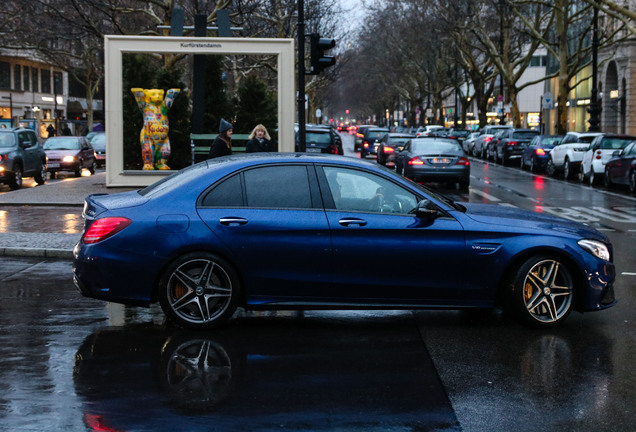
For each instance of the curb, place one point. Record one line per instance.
(36, 252)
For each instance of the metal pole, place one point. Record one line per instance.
(594, 109)
(301, 76)
(501, 45)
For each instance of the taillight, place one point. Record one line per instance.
(416, 161)
(463, 161)
(388, 149)
(540, 152)
(334, 149)
(104, 228)
(598, 154)
(512, 143)
(487, 139)
(359, 135)
(366, 144)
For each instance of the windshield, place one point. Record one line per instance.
(7, 140)
(61, 144)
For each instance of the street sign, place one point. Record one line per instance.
(548, 101)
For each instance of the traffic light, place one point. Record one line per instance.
(319, 60)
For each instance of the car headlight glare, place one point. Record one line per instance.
(596, 248)
(69, 159)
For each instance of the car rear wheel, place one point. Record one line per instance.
(199, 291)
(16, 182)
(549, 168)
(40, 177)
(607, 182)
(542, 291)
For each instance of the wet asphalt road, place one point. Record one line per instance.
(77, 364)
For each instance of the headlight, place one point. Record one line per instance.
(596, 248)
(69, 159)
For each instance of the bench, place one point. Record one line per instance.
(202, 144)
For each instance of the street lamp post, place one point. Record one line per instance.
(594, 109)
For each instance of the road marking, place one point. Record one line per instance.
(485, 195)
(628, 274)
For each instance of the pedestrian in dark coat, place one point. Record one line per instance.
(259, 140)
(51, 131)
(222, 144)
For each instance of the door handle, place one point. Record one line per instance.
(352, 221)
(232, 221)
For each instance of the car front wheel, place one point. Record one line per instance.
(542, 291)
(199, 291)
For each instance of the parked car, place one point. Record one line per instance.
(510, 144)
(621, 168)
(431, 159)
(469, 142)
(360, 136)
(278, 231)
(371, 141)
(98, 142)
(537, 154)
(69, 153)
(601, 150)
(459, 134)
(568, 154)
(21, 155)
(480, 144)
(321, 139)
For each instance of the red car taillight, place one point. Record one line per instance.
(512, 143)
(365, 144)
(416, 161)
(463, 161)
(487, 139)
(540, 152)
(104, 228)
(387, 149)
(359, 135)
(599, 154)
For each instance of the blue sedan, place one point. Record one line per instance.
(280, 231)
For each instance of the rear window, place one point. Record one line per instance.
(7, 140)
(524, 134)
(318, 138)
(615, 143)
(430, 146)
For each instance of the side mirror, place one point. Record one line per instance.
(426, 210)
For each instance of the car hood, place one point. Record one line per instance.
(61, 153)
(528, 220)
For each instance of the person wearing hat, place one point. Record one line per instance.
(222, 144)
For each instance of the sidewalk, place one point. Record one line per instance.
(45, 221)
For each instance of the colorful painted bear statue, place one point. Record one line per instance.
(155, 144)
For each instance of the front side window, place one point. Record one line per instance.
(354, 190)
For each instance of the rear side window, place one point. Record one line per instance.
(278, 187)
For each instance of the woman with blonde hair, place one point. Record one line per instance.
(259, 140)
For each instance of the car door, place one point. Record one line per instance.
(31, 153)
(272, 222)
(381, 251)
(586, 163)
